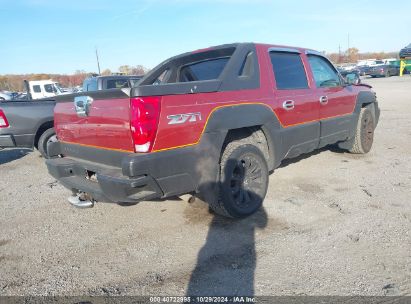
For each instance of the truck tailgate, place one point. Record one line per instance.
(105, 124)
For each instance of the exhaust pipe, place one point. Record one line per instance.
(81, 200)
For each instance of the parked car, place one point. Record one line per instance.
(5, 96)
(213, 122)
(363, 70)
(98, 83)
(385, 70)
(406, 52)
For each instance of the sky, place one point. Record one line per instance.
(45, 36)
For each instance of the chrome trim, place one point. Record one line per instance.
(82, 105)
(288, 105)
(283, 49)
(323, 100)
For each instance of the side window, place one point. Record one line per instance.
(204, 70)
(36, 89)
(324, 74)
(289, 71)
(48, 88)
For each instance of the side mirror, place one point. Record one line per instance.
(352, 78)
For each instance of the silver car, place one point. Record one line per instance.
(5, 96)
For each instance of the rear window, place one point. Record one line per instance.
(117, 83)
(288, 70)
(205, 70)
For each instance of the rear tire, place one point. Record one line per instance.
(243, 180)
(45, 138)
(364, 134)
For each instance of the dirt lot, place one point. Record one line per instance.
(333, 224)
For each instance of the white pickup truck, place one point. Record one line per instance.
(45, 89)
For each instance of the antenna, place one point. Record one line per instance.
(98, 62)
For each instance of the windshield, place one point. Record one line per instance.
(58, 87)
(409, 46)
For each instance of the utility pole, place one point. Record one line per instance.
(98, 62)
(339, 53)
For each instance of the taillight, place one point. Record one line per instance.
(382, 69)
(145, 112)
(3, 120)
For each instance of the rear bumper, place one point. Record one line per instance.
(7, 141)
(124, 177)
(12, 141)
(110, 185)
(376, 73)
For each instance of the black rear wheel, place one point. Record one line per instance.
(243, 181)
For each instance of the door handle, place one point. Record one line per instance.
(288, 105)
(324, 100)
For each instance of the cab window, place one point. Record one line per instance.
(36, 89)
(289, 71)
(324, 73)
(49, 88)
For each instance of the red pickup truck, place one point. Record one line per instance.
(213, 122)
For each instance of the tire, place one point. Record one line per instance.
(48, 136)
(387, 74)
(243, 180)
(364, 134)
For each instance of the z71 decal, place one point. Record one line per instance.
(182, 118)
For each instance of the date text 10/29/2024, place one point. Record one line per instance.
(199, 299)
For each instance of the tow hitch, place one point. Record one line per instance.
(81, 200)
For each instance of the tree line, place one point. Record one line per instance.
(352, 55)
(14, 83)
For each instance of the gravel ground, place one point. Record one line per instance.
(333, 224)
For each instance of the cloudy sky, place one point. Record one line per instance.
(60, 36)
